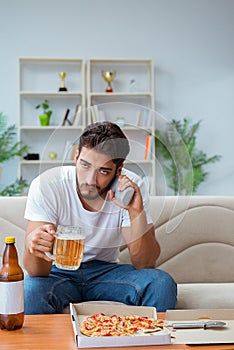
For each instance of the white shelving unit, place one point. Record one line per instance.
(130, 104)
(39, 80)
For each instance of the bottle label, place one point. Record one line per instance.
(12, 297)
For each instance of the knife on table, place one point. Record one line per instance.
(198, 324)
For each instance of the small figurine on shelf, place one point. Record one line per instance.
(52, 155)
(62, 76)
(45, 117)
(132, 85)
(120, 121)
(109, 76)
(32, 156)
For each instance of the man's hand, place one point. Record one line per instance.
(39, 239)
(136, 205)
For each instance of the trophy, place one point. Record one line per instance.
(62, 76)
(108, 77)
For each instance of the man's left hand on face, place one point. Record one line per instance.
(136, 202)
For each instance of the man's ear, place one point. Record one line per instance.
(119, 170)
(76, 156)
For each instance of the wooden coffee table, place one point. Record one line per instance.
(54, 332)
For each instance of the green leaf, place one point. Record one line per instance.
(182, 161)
(14, 189)
(45, 105)
(10, 148)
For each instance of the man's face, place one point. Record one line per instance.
(95, 171)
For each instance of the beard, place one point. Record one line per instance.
(92, 192)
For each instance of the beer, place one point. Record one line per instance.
(68, 247)
(11, 288)
(68, 252)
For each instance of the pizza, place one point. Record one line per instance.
(103, 325)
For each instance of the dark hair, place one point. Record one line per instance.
(108, 138)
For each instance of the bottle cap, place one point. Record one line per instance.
(9, 239)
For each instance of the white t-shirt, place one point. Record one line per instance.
(53, 198)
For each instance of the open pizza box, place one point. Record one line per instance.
(80, 311)
(196, 336)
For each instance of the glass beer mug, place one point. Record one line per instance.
(68, 247)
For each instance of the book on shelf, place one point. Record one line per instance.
(93, 114)
(65, 119)
(144, 118)
(96, 114)
(77, 118)
(148, 147)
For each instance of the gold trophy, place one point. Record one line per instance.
(62, 76)
(109, 77)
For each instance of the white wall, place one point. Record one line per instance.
(190, 41)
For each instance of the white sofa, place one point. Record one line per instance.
(196, 235)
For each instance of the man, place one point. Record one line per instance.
(81, 196)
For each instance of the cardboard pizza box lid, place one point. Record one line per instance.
(224, 335)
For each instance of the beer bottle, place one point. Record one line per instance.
(11, 288)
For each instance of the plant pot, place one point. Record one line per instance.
(44, 119)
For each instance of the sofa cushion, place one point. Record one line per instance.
(12, 223)
(196, 237)
(205, 296)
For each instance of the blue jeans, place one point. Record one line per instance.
(99, 280)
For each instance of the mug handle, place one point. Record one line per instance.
(51, 256)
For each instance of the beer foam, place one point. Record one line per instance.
(69, 236)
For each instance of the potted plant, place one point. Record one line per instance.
(45, 117)
(183, 163)
(8, 150)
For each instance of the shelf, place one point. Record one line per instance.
(49, 60)
(130, 61)
(119, 94)
(39, 79)
(136, 128)
(130, 105)
(50, 94)
(133, 76)
(42, 74)
(51, 162)
(51, 127)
